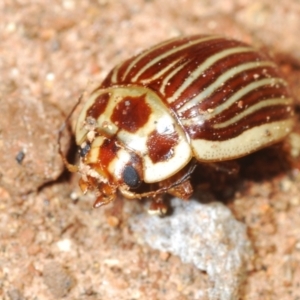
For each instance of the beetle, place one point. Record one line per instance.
(189, 100)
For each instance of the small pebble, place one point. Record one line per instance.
(58, 279)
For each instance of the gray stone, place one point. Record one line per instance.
(206, 235)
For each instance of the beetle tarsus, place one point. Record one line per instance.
(158, 206)
(100, 201)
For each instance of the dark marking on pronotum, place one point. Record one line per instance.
(131, 114)
(161, 146)
(108, 152)
(98, 106)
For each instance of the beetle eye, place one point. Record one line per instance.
(84, 150)
(131, 177)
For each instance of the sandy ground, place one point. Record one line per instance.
(53, 245)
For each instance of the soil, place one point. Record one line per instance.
(53, 244)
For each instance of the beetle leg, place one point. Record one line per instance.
(107, 194)
(83, 185)
(158, 206)
(182, 191)
(103, 200)
(179, 185)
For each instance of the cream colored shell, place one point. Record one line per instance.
(160, 120)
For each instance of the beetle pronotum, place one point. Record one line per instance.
(202, 98)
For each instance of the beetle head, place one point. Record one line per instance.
(106, 165)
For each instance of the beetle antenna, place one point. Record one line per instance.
(186, 176)
(70, 167)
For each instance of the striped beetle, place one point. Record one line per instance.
(202, 98)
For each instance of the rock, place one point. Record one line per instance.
(15, 294)
(58, 279)
(206, 235)
(28, 144)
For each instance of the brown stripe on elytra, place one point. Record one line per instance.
(146, 59)
(164, 63)
(152, 70)
(98, 106)
(263, 116)
(202, 50)
(107, 81)
(155, 85)
(183, 54)
(233, 85)
(238, 82)
(131, 113)
(123, 68)
(198, 56)
(213, 73)
(257, 95)
(161, 147)
(201, 83)
(156, 52)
